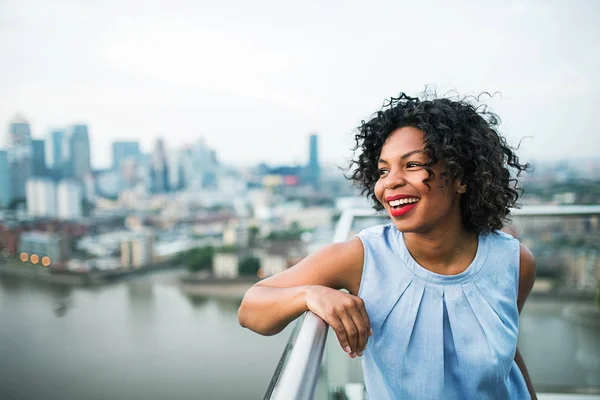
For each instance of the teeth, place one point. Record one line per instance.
(408, 200)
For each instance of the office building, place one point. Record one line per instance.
(19, 156)
(78, 157)
(38, 160)
(50, 248)
(137, 251)
(41, 197)
(159, 171)
(175, 169)
(4, 179)
(69, 196)
(56, 153)
(199, 166)
(122, 151)
(313, 172)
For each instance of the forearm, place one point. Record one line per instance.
(268, 310)
(521, 364)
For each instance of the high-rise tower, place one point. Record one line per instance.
(313, 167)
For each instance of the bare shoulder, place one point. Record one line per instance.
(527, 269)
(337, 265)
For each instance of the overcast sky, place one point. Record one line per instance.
(254, 78)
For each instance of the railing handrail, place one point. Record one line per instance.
(556, 210)
(299, 377)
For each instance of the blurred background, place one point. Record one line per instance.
(157, 159)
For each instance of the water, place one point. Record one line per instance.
(145, 339)
(132, 340)
(561, 352)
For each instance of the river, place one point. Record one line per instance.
(145, 339)
(141, 339)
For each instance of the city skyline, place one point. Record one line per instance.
(147, 148)
(57, 133)
(38, 169)
(273, 73)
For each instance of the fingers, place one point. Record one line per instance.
(362, 331)
(351, 332)
(355, 326)
(363, 313)
(340, 331)
(348, 318)
(366, 328)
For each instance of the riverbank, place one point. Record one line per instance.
(229, 291)
(197, 285)
(207, 286)
(44, 274)
(66, 277)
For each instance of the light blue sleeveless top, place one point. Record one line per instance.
(435, 336)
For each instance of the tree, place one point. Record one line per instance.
(200, 259)
(253, 236)
(293, 233)
(249, 266)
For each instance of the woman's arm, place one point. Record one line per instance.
(526, 280)
(270, 305)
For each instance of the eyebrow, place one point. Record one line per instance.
(404, 156)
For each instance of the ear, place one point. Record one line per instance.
(461, 188)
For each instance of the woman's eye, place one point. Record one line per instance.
(412, 164)
(383, 171)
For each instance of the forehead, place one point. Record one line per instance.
(402, 141)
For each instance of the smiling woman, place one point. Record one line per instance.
(403, 183)
(435, 295)
(443, 142)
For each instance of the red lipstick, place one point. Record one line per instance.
(402, 209)
(398, 212)
(397, 197)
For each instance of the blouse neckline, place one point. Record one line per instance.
(434, 277)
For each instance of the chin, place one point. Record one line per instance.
(402, 226)
(408, 226)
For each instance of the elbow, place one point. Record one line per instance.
(246, 321)
(247, 318)
(242, 315)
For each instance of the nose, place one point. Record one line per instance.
(393, 180)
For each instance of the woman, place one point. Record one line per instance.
(434, 296)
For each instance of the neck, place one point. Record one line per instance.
(444, 250)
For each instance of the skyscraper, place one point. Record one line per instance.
(79, 152)
(38, 160)
(56, 152)
(174, 165)
(122, 151)
(19, 133)
(159, 171)
(69, 195)
(19, 156)
(204, 165)
(41, 197)
(4, 179)
(313, 167)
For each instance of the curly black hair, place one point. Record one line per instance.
(461, 133)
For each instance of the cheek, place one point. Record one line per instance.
(379, 188)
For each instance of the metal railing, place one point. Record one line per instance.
(298, 371)
(299, 377)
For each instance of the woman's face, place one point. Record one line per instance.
(410, 203)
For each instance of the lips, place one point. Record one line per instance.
(400, 211)
(400, 204)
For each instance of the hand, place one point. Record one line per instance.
(345, 313)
